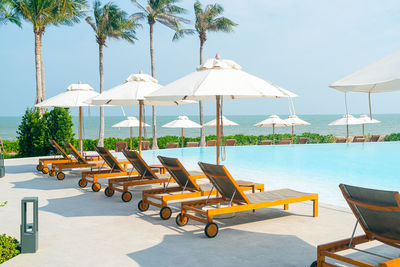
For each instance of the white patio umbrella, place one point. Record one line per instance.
(132, 93)
(217, 79)
(381, 76)
(346, 120)
(182, 122)
(295, 120)
(130, 122)
(272, 121)
(366, 120)
(77, 95)
(224, 120)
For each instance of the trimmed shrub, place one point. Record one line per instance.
(58, 127)
(8, 248)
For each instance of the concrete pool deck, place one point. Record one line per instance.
(78, 227)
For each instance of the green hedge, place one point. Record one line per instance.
(8, 248)
(393, 137)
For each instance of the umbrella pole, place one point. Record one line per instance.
(347, 128)
(140, 126)
(182, 136)
(80, 131)
(131, 139)
(370, 109)
(273, 134)
(218, 126)
(292, 132)
(363, 130)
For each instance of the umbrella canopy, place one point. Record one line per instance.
(295, 120)
(272, 121)
(182, 122)
(216, 80)
(346, 120)
(225, 122)
(129, 123)
(77, 95)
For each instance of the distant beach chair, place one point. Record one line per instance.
(171, 145)
(378, 213)
(341, 140)
(120, 146)
(230, 142)
(192, 144)
(358, 139)
(232, 199)
(375, 138)
(187, 188)
(302, 140)
(266, 142)
(285, 141)
(211, 143)
(146, 176)
(145, 145)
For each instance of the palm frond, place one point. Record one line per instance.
(180, 33)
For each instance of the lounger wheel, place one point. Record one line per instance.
(181, 220)
(96, 187)
(126, 196)
(143, 206)
(39, 167)
(314, 264)
(211, 230)
(60, 176)
(165, 213)
(45, 170)
(52, 173)
(82, 183)
(109, 192)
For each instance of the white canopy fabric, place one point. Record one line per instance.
(182, 122)
(218, 77)
(225, 122)
(129, 123)
(381, 76)
(272, 121)
(366, 119)
(75, 96)
(295, 120)
(346, 120)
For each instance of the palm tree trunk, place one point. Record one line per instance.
(101, 132)
(202, 130)
(154, 145)
(39, 97)
(42, 69)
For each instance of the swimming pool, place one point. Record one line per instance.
(314, 168)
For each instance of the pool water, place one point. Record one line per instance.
(314, 168)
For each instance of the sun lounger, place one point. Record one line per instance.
(302, 140)
(192, 144)
(80, 162)
(234, 200)
(266, 142)
(358, 139)
(43, 162)
(146, 176)
(341, 140)
(171, 145)
(378, 213)
(285, 141)
(230, 142)
(145, 145)
(211, 143)
(114, 168)
(375, 138)
(121, 146)
(187, 187)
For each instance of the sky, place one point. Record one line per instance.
(300, 45)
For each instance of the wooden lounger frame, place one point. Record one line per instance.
(329, 250)
(165, 195)
(122, 184)
(206, 216)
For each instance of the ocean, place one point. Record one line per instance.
(390, 123)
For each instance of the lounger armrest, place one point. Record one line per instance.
(199, 176)
(390, 263)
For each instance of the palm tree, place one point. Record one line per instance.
(167, 13)
(207, 20)
(8, 13)
(43, 13)
(109, 21)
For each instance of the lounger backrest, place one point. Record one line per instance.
(375, 138)
(223, 182)
(179, 173)
(303, 140)
(57, 147)
(341, 140)
(108, 158)
(378, 211)
(266, 142)
(211, 143)
(192, 144)
(145, 145)
(121, 146)
(75, 153)
(139, 164)
(230, 142)
(285, 141)
(172, 145)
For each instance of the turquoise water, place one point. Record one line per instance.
(319, 124)
(314, 168)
